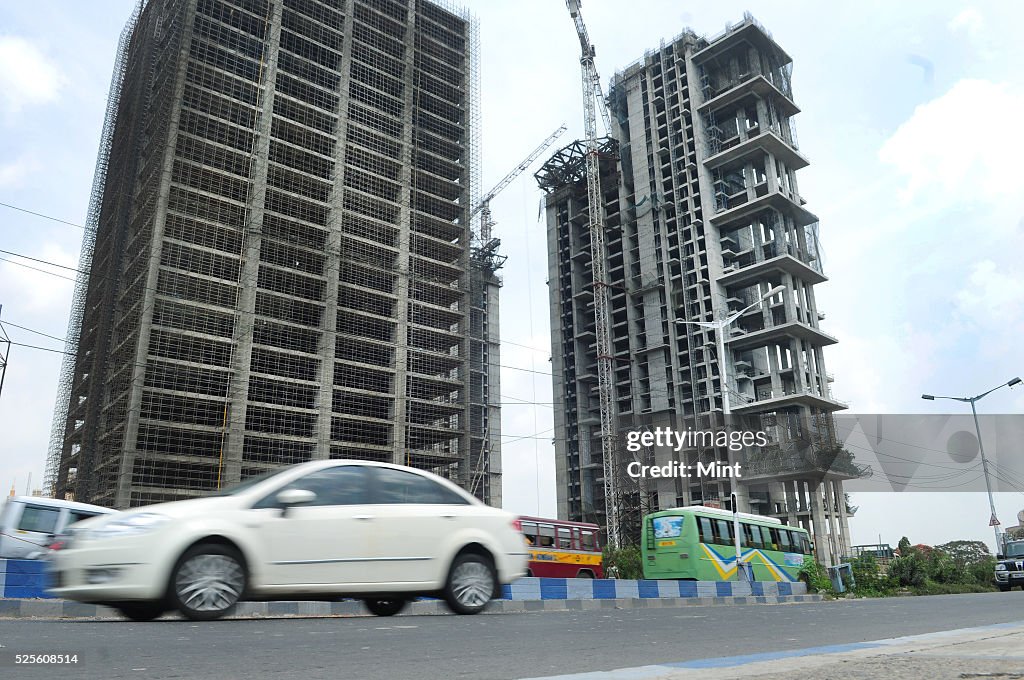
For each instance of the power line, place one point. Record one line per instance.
(28, 266)
(35, 259)
(45, 335)
(45, 217)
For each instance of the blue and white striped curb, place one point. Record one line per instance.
(611, 589)
(28, 579)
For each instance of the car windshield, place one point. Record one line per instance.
(1015, 549)
(245, 484)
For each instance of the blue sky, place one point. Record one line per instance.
(911, 119)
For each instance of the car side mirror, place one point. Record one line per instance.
(292, 497)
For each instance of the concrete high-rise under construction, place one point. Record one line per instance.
(703, 219)
(281, 266)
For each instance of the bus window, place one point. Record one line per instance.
(546, 536)
(805, 544)
(785, 542)
(588, 541)
(771, 538)
(723, 533)
(564, 539)
(751, 536)
(530, 531)
(706, 534)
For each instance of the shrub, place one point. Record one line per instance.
(816, 578)
(627, 559)
(909, 571)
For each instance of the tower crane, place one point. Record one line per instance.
(484, 206)
(593, 102)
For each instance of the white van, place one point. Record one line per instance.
(29, 523)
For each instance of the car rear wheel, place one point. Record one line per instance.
(141, 611)
(381, 606)
(208, 582)
(471, 584)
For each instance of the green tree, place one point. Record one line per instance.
(965, 553)
(904, 546)
(627, 559)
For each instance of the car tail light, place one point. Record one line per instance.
(517, 525)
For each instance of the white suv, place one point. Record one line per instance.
(315, 531)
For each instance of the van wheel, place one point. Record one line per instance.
(208, 581)
(141, 611)
(380, 606)
(471, 584)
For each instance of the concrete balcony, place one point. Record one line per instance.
(775, 199)
(788, 400)
(793, 262)
(791, 329)
(769, 142)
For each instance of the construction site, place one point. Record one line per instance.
(281, 264)
(682, 265)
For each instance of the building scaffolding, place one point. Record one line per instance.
(282, 266)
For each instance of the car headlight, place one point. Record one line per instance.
(131, 525)
(1000, 567)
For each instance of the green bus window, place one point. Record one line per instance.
(706, 533)
(774, 537)
(723, 533)
(785, 543)
(806, 544)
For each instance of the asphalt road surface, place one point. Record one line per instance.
(477, 647)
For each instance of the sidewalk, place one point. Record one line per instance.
(969, 653)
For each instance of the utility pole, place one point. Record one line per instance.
(5, 351)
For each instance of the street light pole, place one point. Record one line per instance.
(719, 328)
(981, 445)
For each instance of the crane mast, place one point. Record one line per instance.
(593, 101)
(484, 206)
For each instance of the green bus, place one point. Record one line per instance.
(696, 543)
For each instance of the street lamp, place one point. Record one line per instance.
(719, 328)
(984, 461)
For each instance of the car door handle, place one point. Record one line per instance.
(362, 517)
(448, 516)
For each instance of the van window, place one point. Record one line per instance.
(79, 515)
(37, 518)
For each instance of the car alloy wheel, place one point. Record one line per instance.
(208, 582)
(380, 606)
(471, 584)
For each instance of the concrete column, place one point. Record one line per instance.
(820, 535)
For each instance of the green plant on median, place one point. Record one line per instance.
(816, 578)
(627, 559)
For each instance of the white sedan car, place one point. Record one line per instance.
(321, 530)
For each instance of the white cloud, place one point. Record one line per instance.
(956, 149)
(27, 76)
(13, 174)
(968, 21)
(992, 294)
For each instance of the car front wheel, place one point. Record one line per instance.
(380, 606)
(208, 582)
(471, 584)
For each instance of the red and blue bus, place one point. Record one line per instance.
(561, 549)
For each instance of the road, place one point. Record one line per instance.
(477, 647)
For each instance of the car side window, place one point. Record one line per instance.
(36, 518)
(342, 485)
(398, 486)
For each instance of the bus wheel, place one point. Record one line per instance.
(585, 573)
